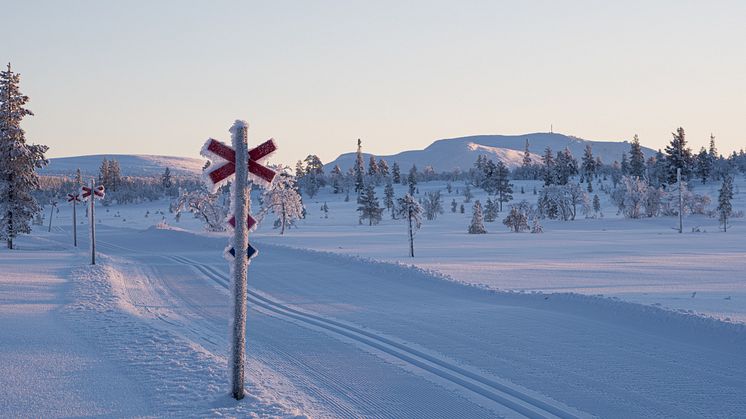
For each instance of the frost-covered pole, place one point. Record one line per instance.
(92, 222)
(411, 233)
(681, 201)
(240, 262)
(75, 223)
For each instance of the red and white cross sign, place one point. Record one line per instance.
(73, 197)
(98, 192)
(215, 150)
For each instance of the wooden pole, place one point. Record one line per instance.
(240, 262)
(51, 213)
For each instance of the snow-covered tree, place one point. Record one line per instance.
(636, 158)
(588, 165)
(490, 210)
(561, 201)
(725, 208)
(337, 179)
(369, 208)
(678, 156)
(388, 198)
(18, 162)
(412, 179)
(565, 167)
(703, 165)
(467, 194)
(503, 187)
(166, 179)
(373, 174)
(548, 169)
(536, 227)
(597, 207)
(383, 169)
(359, 168)
(454, 205)
(516, 221)
(411, 210)
(396, 173)
(433, 205)
(283, 200)
(477, 220)
(203, 205)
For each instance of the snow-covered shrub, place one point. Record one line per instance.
(561, 201)
(516, 221)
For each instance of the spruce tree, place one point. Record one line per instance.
(548, 169)
(337, 179)
(490, 211)
(18, 162)
(359, 168)
(636, 159)
(625, 165)
(383, 169)
(166, 181)
(588, 162)
(412, 179)
(369, 208)
(388, 199)
(503, 186)
(477, 220)
(725, 208)
(454, 206)
(678, 156)
(396, 173)
(703, 166)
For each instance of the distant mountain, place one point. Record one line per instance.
(448, 154)
(130, 165)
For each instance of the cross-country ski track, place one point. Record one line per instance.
(336, 336)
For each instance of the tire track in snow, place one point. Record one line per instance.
(507, 396)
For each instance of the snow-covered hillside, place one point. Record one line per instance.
(130, 165)
(448, 154)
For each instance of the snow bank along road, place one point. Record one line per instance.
(335, 336)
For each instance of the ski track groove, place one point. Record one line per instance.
(511, 398)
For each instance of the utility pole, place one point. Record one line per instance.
(92, 222)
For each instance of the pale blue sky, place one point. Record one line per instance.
(159, 77)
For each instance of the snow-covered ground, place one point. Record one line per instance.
(334, 335)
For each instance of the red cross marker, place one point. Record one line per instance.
(218, 174)
(98, 191)
(73, 197)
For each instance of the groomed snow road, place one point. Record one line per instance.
(335, 336)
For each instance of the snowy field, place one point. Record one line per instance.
(145, 333)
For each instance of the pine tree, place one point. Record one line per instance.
(388, 199)
(636, 158)
(337, 181)
(565, 166)
(166, 181)
(504, 189)
(678, 156)
(588, 163)
(477, 220)
(373, 169)
(383, 169)
(412, 179)
(461, 209)
(703, 166)
(526, 163)
(725, 208)
(410, 209)
(369, 208)
(18, 162)
(359, 168)
(115, 175)
(625, 165)
(490, 211)
(454, 206)
(103, 174)
(467, 194)
(597, 205)
(78, 179)
(396, 173)
(548, 170)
